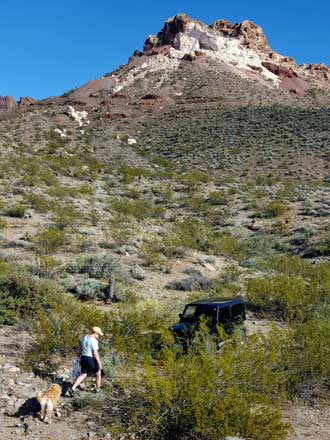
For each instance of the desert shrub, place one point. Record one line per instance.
(193, 178)
(3, 224)
(63, 191)
(121, 229)
(173, 246)
(21, 294)
(82, 164)
(17, 210)
(321, 246)
(225, 243)
(274, 208)
(193, 234)
(294, 290)
(95, 266)
(38, 202)
(90, 288)
(124, 293)
(266, 180)
(165, 192)
(204, 395)
(139, 208)
(153, 253)
(309, 349)
(197, 203)
(263, 245)
(230, 274)
(139, 329)
(55, 141)
(280, 295)
(194, 282)
(217, 198)
(58, 329)
(65, 216)
(289, 191)
(128, 174)
(49, 240)
(46, 266)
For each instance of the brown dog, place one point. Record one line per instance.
(49, 402)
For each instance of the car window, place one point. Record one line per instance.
(207, 311)
(237, 310)
(224, 314)
(189, 312)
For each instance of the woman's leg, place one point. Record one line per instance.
(79, 380)
(98, 380)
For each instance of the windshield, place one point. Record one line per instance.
(194, 312)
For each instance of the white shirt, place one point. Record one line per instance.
(88, 345)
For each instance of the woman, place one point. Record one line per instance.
(89, 360)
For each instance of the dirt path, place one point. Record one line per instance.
(18, 417)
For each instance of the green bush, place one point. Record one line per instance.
(273, 209)
(91, 289)
(279, 295)
(38, 202)
(49, 240)
(211, 396)
(3, 224)
(59, 328)
(95, 266)
(21, 294)
(128, 174)
(193, 234)
(65, 216)
(309, 350)
(225, 243)
(153, 253)
(17, 210)
(193, 178)
(140, 209)
(217, 198)
(294, 290)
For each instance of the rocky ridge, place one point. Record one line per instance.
(241, 48)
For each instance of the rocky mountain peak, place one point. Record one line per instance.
(181, 27)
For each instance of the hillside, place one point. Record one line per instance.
(200, 168)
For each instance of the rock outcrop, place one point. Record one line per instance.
(243, 45)
(321, 71)
(251, 35)
(7, 103)
(25, 102)
(280, 71)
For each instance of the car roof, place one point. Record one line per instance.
(221, 302)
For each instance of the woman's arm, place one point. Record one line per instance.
(97, 358)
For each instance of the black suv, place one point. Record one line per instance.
(229, 313)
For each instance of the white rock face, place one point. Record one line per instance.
(79, 116)
(131, 141)
(225, 49)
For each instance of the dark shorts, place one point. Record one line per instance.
(88, 365)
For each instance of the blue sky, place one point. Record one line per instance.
(48, 47)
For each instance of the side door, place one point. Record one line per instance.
(225, 318)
